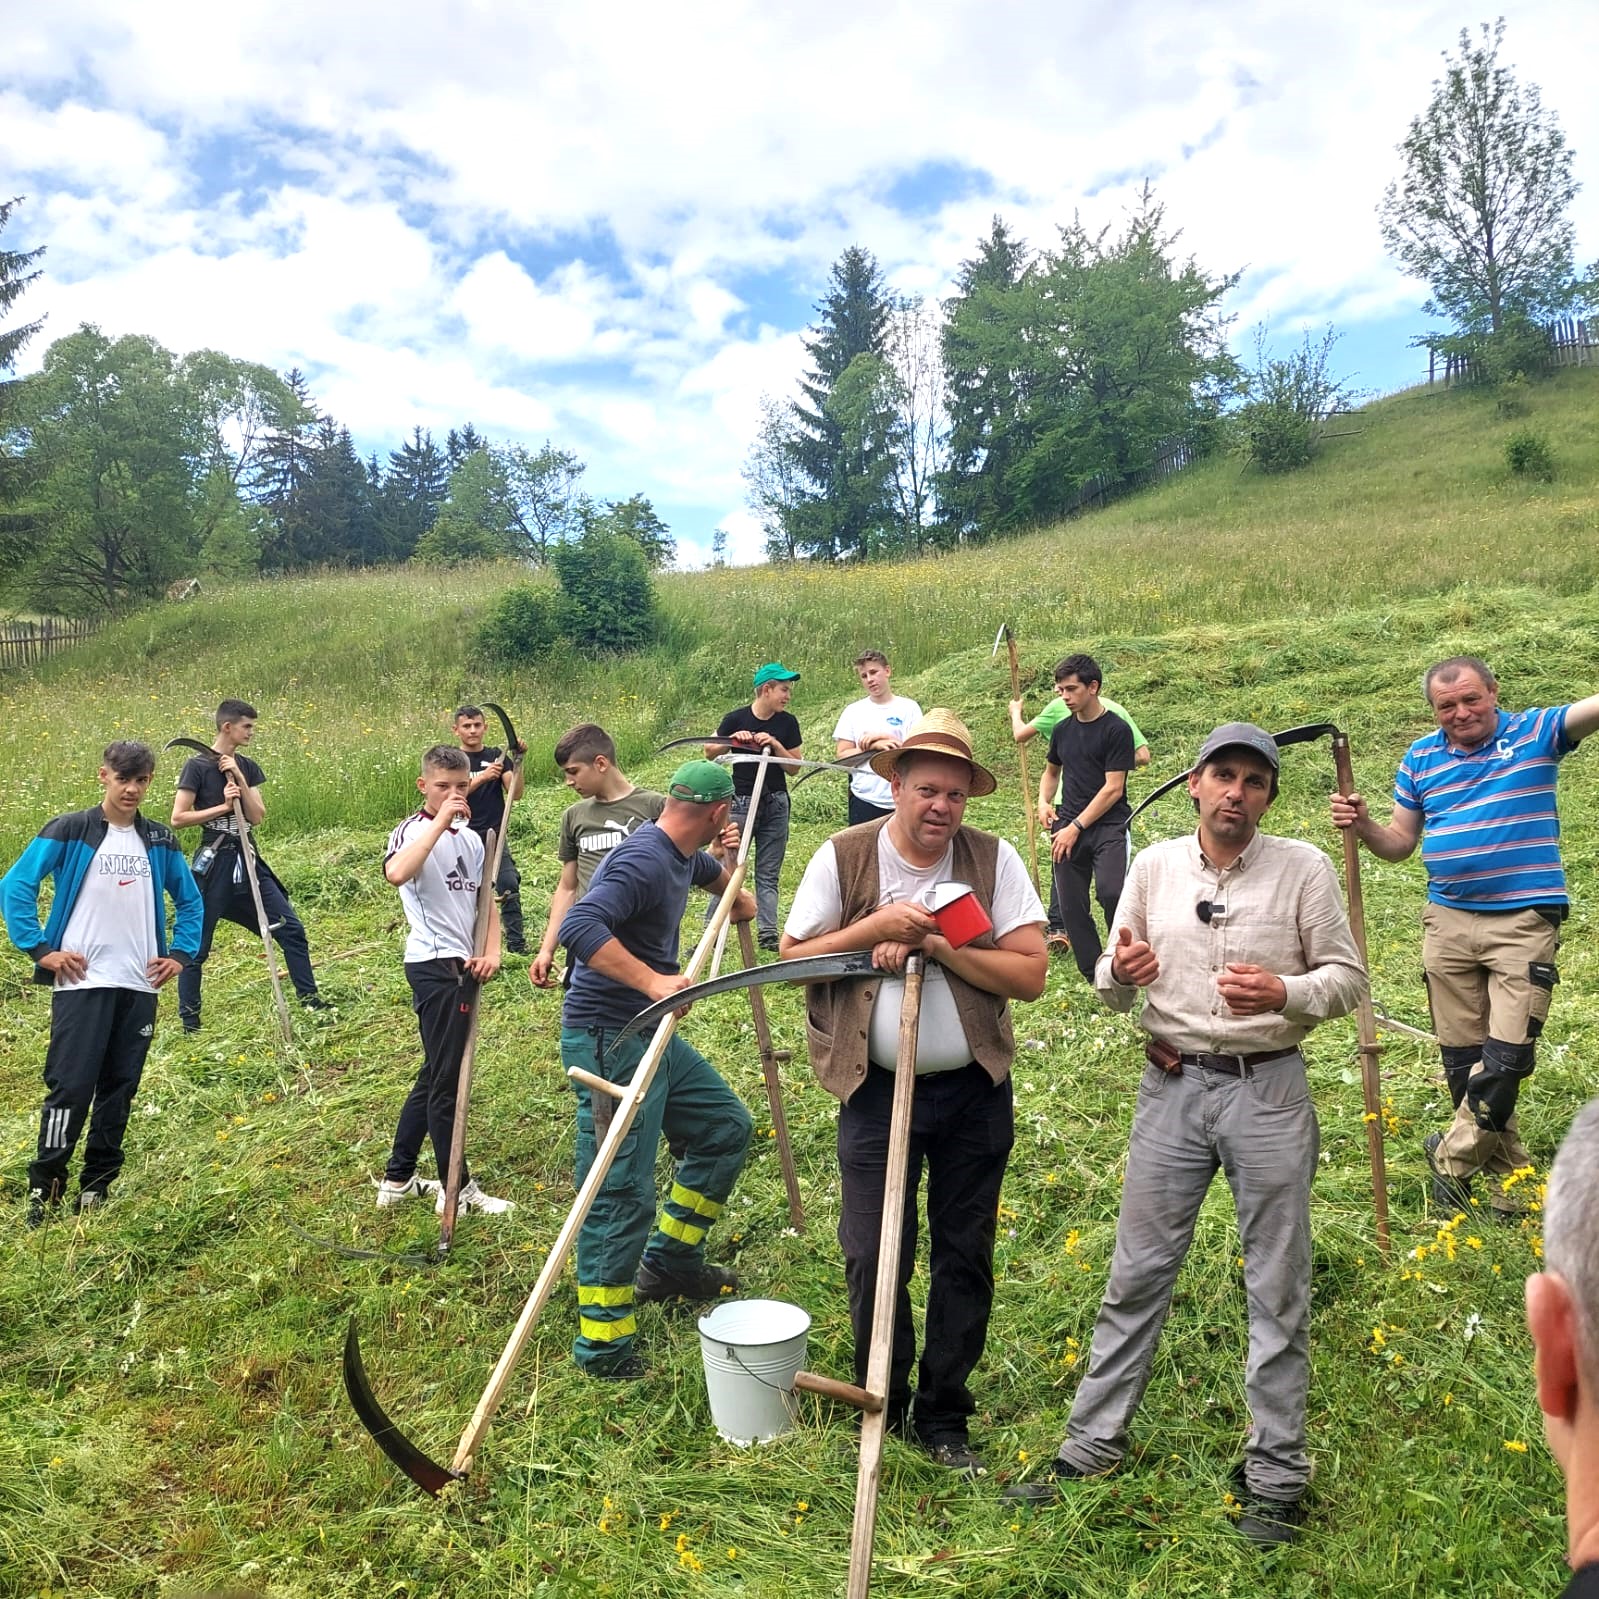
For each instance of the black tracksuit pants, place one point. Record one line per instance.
(962, 1127)
(230, 901)
(1098, 860)
(99, 1038)
(441, 996)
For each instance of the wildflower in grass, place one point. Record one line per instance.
(1377, 1340)
(1449, 1399)
(1370, 1116)
(1073, 1239)
(667, 1518)
(1515, 1446)
(732, 1552)
(1021, 1455)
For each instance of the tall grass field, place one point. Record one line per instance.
(172, 1416)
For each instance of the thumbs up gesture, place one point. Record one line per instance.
(1133, 963)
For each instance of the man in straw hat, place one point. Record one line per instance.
(1240, 943)
(867, 888)
(622, 941)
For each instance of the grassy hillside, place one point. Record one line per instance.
(171, 1415)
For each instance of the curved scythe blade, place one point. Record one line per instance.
(425, 1473)
(1306, 733)
(807, 969)
(513, 745)
(190, 744)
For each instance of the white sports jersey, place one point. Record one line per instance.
(113, 922)
(441, 900)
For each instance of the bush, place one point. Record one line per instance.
(1527, 454)
(1280, 427)
(607, 600)
(524, 626)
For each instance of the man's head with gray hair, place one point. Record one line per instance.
(1563, 1317)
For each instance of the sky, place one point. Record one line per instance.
(608, 226)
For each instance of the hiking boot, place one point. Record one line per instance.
(1448, 1193)
(768, 941)
(89, 1199)
(954, 1453)
(628, 1369)
(39, 1207)
(1267, 1523)
(700, 1280)
(393, 1193)
(471, 1197)
(1046, 1488)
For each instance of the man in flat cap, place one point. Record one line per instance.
(867, 888)
(621, 940)
(1240, 943)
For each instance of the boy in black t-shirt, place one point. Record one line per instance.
(1090, 755)
(206, 791)
(487, 797)
(765, 724)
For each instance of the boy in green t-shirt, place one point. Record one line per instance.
(608, 809)
(1043, 725)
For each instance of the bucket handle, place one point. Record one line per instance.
(738, 1360)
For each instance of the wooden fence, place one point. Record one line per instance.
(24, 643)
(1101, 490)
(1572, 342)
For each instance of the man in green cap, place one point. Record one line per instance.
(765, 724)
(621, 941)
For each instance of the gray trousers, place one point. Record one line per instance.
(1262, 1131)
(768, 845)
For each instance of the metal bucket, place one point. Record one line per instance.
(752, 1349)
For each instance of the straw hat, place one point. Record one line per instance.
(940, 732)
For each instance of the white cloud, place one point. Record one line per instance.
(608, 225)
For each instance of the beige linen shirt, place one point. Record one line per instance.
(1277, 906)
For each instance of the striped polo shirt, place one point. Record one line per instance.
(1491, 838)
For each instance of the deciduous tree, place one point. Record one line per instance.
(546, 504)
(1480, 211)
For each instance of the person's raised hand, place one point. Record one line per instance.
(1133, 963)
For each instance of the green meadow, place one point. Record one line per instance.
(172, 1417)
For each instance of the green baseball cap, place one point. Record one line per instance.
(774, 672)
(701, 783)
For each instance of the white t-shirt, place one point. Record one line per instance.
(441, 900)
(862, 719)
(941, 1043)
(113, 922)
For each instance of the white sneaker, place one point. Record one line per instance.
(392, 1193)
(472, 1197)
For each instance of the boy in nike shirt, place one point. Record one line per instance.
(437, 862)
(105, 951)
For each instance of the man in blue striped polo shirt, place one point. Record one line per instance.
(1479, 794)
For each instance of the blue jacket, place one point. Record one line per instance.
(64, 850)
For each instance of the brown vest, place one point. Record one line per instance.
(837, 1014)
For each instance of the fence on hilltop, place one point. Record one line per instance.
(1572, 342)
(27, 643)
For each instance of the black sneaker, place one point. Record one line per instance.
(1448, 1193)
(628, 1369)
(768, 941)
(518, 948)
(38, 1208)
(316, 1002)
(954, 1453)
(191, 1024)
(1267, 1523)
(1046, 1488)
(698, 1281)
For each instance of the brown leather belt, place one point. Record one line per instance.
(1235, 1065)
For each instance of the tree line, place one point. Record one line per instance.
(124, 466)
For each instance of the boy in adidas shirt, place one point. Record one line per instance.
(105, 951)
(437, 862)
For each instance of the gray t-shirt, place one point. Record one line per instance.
(592, 828)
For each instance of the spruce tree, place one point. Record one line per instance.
(984, 392)
(838, 444)
(17, 270)
(284, 474)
